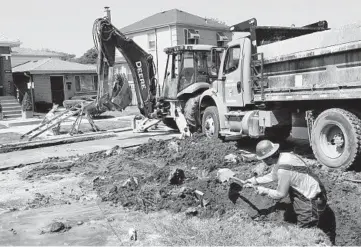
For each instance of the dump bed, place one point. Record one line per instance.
(322, 65)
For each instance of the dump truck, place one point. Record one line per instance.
(269, 73)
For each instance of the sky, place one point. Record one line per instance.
(66, 25)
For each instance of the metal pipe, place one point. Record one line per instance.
(107, 13)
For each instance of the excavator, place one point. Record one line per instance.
(190, 70)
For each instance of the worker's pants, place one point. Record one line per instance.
(308, 212)
(315, 213)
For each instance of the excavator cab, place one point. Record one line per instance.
(190, 68)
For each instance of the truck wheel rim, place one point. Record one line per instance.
(209, 126)
(332, 141)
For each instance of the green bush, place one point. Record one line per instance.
(27, 103)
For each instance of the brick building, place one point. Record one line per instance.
(6, 77)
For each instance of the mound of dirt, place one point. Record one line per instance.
(200, 158)
(199, 152)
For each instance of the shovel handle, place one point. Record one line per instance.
(239, 180)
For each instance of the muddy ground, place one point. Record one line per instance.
(173, 175)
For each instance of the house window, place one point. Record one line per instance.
(221, 39)
(77, 83)
(191, 36)
(95, 82)
(151, 41)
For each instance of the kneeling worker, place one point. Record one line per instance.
(295, 178)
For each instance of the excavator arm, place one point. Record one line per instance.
(107, 38)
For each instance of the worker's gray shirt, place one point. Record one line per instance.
(303, 183)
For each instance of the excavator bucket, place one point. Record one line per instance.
(122, 93)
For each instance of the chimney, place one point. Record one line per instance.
(107, 13)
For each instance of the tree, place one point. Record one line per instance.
(216, 20)
(89, 57)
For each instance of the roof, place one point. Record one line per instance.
(54, 66)
(4, 41)
(20, 51)
(172, 17)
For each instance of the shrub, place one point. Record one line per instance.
(27, 103)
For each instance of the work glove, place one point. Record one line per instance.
(252, 181)
(262, 190)
(248, 185)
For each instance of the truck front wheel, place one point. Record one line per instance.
(336, 138)
(210, 122)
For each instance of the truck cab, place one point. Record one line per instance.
(190, 69)
(233, 83)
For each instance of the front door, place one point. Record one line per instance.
(232, 71)
(57, 89)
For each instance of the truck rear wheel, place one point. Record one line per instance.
(336, 138)
(210, 122)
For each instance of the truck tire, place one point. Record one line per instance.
(210, 122)
(191, 113)
(170, 123)
(336, 138)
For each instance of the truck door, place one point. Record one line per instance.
(233, 93)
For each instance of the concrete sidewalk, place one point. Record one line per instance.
(123, 139)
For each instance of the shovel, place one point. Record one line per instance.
(225, 174)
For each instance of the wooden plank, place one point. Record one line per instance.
(56, 141)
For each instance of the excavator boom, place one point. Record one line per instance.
(107, 38)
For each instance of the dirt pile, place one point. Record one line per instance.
(199, 158)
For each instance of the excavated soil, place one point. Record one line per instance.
(172, 175)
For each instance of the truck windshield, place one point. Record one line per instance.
(195, 68)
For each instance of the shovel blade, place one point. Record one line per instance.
(225, 174)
